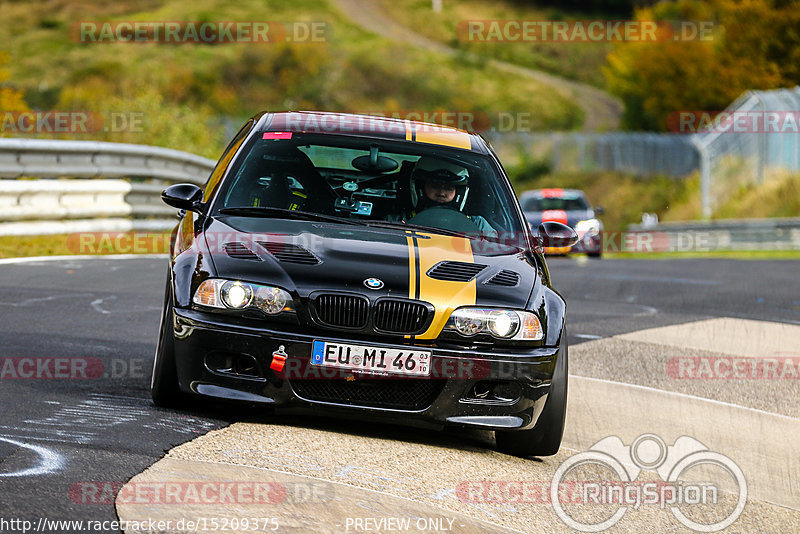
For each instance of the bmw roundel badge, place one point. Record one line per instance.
(373, 283)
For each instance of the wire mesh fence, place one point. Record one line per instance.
(635, 152)
(755, 139)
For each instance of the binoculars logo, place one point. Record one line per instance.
(649, 452)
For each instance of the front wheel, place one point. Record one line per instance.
(164, 383)
(544, 439)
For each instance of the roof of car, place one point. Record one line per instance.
(379, 127)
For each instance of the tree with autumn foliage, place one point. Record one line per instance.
(10, 99)
(755, 44)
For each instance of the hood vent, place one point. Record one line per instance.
(290, 253)
(240, 251)
(504, 278)
(455, 271)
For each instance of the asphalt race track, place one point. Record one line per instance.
(77, 422)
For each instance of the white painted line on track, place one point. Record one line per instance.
(679, 394)
(97, 302)
(49, 461)
(764, 445)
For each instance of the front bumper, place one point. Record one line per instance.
(454, 395)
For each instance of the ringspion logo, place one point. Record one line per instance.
(622, 491)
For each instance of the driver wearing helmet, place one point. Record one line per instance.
(437, 183)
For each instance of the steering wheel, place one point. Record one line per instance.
(446, 219)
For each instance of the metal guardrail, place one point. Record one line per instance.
(122, 194)
(722, 235)
(114, 187)
(94, 159)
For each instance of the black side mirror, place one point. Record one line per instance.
(556, 234)
(182, 196)
(598, 210)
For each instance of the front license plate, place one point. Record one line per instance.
(372, 360)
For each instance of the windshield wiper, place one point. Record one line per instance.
(407, 226)
(281, 213)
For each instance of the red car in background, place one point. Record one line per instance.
(570, 207)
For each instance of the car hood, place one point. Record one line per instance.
(304, 257)
(570, 218)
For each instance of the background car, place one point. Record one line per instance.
(570, 207)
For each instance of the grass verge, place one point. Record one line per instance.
(718, 254)
(626, 197)
(89, 244)
(157, 243)
(581, 61)
(186, 95)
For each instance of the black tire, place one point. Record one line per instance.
(544, 439)
(164, 382)
(597, 255)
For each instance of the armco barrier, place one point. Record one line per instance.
(728, 234)
(114, 187)
(122, 195)
(93, 159)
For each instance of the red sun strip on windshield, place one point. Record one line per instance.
(552, 193)
(277, 135)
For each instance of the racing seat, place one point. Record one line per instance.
(404, 203)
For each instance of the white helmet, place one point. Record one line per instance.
(429, 168)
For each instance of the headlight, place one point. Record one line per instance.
(235, 295)
(272, 300)
(589, 226)
(501, 324)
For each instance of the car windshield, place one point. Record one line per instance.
(576, 203)
(367, 181)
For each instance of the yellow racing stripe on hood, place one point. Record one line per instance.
(412, 267)
(445, 296)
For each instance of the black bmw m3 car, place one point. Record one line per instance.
(365, 267)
